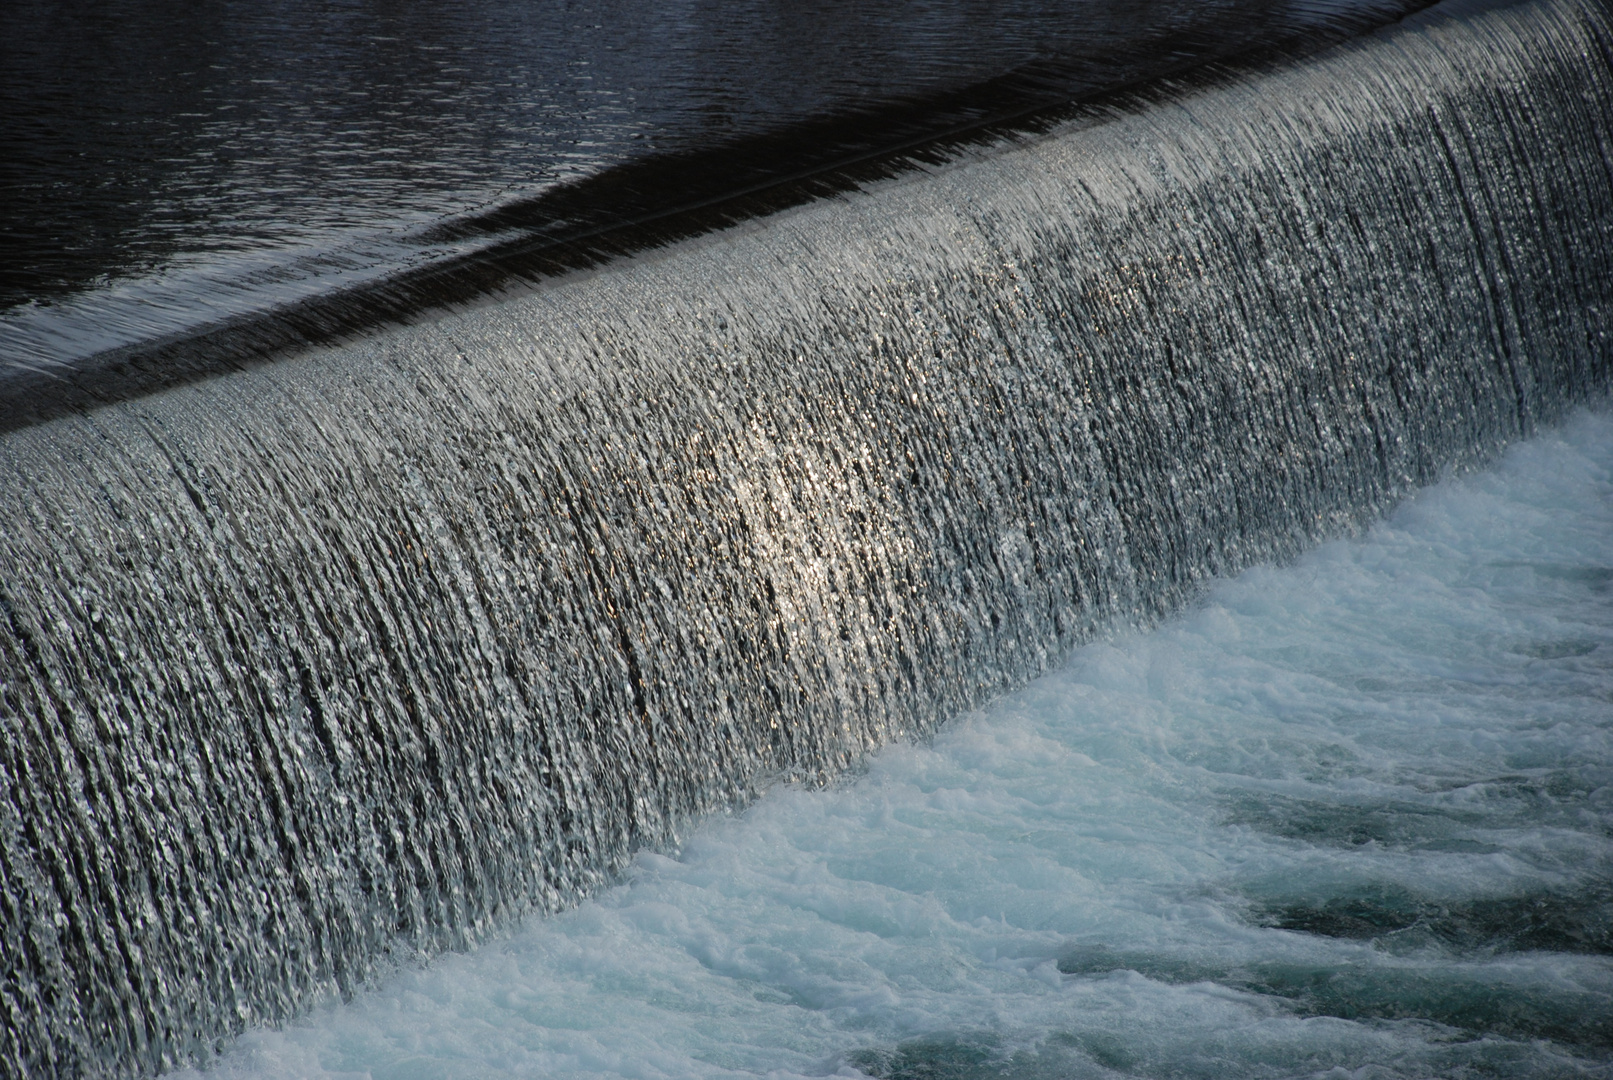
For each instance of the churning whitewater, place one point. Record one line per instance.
(369, 651)
(1354, 814)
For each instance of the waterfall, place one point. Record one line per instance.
(367, 651)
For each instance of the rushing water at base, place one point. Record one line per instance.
(1352, 812)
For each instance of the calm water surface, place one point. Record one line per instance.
(163, 170)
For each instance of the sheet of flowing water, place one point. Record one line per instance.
(379, 647)
(1350, 816)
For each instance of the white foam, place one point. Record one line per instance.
(1418, 717)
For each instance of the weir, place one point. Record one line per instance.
(363, 653)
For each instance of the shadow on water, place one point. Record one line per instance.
(1484, 1009)
(1390, 824)
(981, 1056)
(1598, 579)
(940, 1058)
(1454, 942)
(1502, 802)
(1076, 1054)
(1579, 922)
(1472, 1001)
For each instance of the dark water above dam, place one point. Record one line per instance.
(163, 173)
(355, 656)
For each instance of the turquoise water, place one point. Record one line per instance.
(1351, 816)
